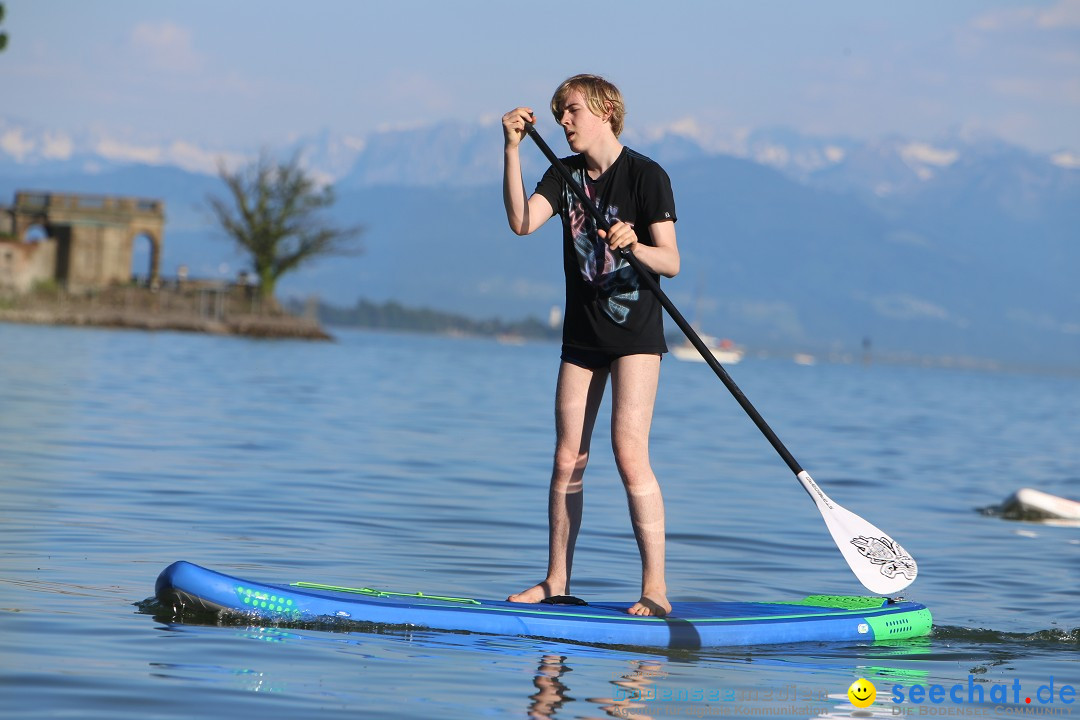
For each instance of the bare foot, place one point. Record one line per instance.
(656, 605)
(537, 593)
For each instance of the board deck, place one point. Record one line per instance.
(822, 618)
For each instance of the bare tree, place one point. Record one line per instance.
(275, 212)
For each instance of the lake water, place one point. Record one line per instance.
(421, 463)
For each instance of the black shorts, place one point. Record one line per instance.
(593, 359)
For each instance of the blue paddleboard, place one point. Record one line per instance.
(820, 618)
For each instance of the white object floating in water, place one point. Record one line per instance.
(1029, 504)
(725, 351)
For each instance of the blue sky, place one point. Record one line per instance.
(247, 74)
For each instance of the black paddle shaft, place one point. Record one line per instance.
(673, 311)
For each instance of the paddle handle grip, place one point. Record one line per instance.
(654, 286)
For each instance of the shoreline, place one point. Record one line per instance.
(253, 326)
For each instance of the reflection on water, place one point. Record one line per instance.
(551, 692)
(633, 689)
(639, 686)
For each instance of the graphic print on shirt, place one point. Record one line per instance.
(611, 276)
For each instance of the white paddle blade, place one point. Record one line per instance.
(878, 561)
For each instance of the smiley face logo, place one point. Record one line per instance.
(862, 693)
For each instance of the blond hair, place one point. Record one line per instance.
(602, 97)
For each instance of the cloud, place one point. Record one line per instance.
(710, 135)
(14, 144)
(686, 126)
(354, 143)
(57, 146)
(1065, 15)
(1066, 159)
(183, 154)
(1027, 57)
(193, 158)
(31, 145)
(775, 155)
(918, 152)
(125, 152)
(918, 155)
(906, 307)
(1006, 19)
(166, 46)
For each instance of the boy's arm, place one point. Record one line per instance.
(523, 215)
(662, 257)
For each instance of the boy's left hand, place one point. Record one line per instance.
(621, 235)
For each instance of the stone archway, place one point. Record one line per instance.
(25, 224)
(93, 234)
(154, 265)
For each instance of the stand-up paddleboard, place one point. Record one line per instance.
(821, 618)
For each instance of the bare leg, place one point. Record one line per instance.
(633, 382)
(577, 400)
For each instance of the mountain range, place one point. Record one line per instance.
(951, 246)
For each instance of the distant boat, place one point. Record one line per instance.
(725, 351)
(804, 359)
(510, 339)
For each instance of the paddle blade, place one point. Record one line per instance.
(878, 561)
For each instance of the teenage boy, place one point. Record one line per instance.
(613, 326)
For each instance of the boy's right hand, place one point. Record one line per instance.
(514, 125)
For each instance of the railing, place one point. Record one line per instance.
(46, 201)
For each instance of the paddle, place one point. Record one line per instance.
(878, 561)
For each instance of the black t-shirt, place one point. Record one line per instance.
(608, 309)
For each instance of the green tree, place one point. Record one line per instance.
(275, 212)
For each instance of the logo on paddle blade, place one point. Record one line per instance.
(887, 553)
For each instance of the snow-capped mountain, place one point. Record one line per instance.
(454, 153)
(949, 245)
